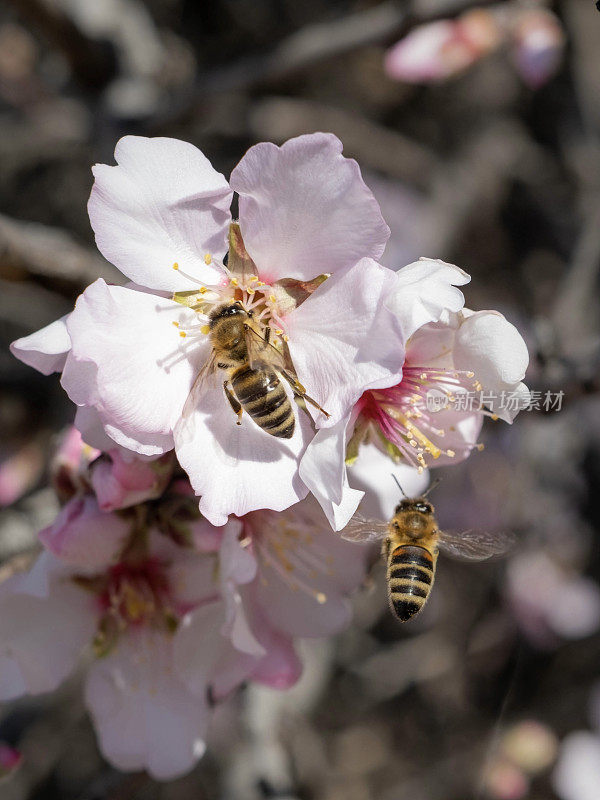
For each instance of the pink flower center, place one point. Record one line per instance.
(136, 594)
(405, 414)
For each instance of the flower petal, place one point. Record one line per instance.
(374, 472)
(144, 371)
(163, 204)
(303, 582)
(41, 635)
(45, 350)
(323, 470)
(424, 289)
(85, 536)
(144, 715)
(490, 346)
(236, 469)
(343, 340)
(305, 210)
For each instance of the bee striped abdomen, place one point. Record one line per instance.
(263, 397)
(410, 578)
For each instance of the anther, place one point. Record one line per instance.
(205, 329)
(272, 298)
(175, 265)
(176, 324)
(207, 258)
(450, 453)
(183, 334)
(253, 278)
(320, 597)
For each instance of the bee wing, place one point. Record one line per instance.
(475, 545)
(208, 368)
(361, 529)
(260, 351)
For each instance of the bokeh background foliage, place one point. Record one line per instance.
(482, 693)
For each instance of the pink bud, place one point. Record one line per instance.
(19, 472)
(120, 482)
(10, 760)
(539, 41)
(70, 464)
(439, 50)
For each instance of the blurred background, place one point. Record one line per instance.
(479, 135)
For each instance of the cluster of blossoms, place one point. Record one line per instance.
(192, 551)
(437, 51)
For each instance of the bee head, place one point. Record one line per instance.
(418, 504)
(228, 310)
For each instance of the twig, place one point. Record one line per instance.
(50, 252)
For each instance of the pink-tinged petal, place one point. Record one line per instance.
(85, 536)
(490, 346)
(343, 340)
(373, 472)
(280, 668)
(323, 470)
(305, 571)
(203, 657)
(424, 290)
(143, 714)
(163, 204)
(45, 350)
(305, 209)
(143, 370)
(43, 634)
(120, 481)
(89, 424)
(239, 468)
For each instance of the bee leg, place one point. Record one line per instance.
(233, 402)
(267, 334)
(301, 391)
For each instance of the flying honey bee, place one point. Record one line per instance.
(253, 366)
(411, 542)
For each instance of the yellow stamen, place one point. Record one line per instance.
(413, 431)
(183, 334)
(175, 265)
(207, 258)
(205, 329)
(272, 298)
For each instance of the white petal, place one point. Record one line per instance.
(424, 289)
(373, 472)
(305, 210)
(343, 341)
(239, 468)
(163, 204)
(323, 470)
(576, 774)
(143, 371)
(144, 715)
(490, 346)
(45, 350)
(41, 637)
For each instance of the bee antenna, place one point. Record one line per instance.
(432, 486)
(398, 485)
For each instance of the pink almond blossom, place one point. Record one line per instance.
(174, 627)
(460, 366)
(302, 260)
